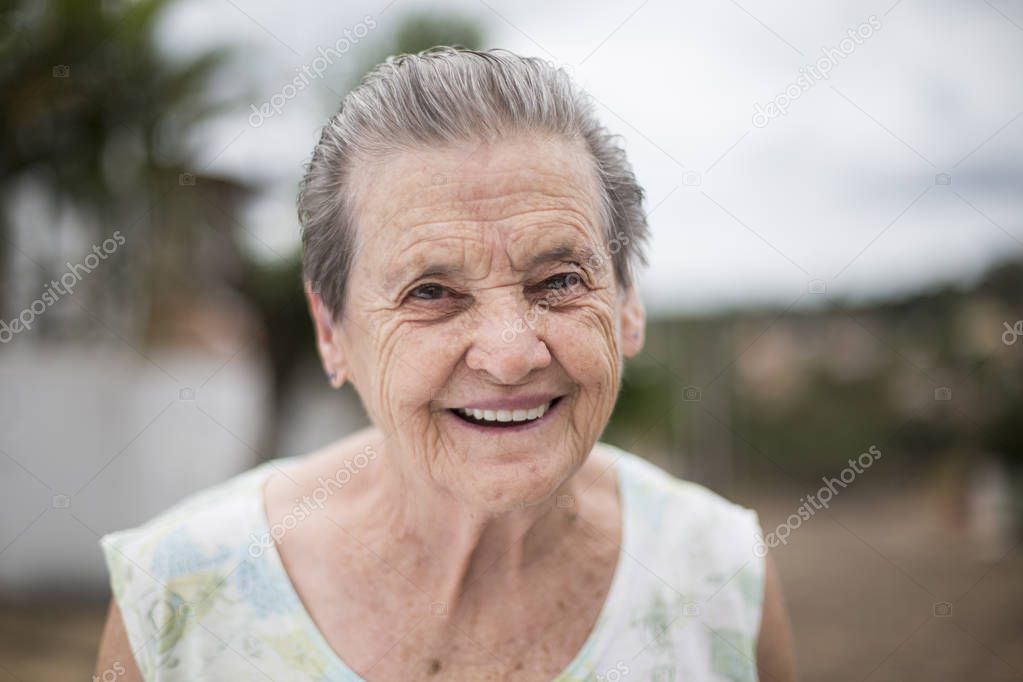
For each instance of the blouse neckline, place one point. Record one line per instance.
(595, 642)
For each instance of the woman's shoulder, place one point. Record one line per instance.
(700, 560)
(189, 548)
(686, 521)
(192, 577)
(211, 516)
(658, 488)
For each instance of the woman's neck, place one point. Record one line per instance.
(458, 548)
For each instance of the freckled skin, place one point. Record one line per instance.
(412, 353)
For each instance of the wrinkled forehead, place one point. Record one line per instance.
(529, 193)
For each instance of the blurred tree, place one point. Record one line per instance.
(422, 30)
(95, 116)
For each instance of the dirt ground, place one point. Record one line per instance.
(868, 583)
(893, 588)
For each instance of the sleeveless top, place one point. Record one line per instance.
(204, 595)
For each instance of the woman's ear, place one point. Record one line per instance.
(633, 319)
(328, 339)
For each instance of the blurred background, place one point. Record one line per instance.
(835, 194)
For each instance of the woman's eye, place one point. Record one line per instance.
(427, 292)
(561, 281)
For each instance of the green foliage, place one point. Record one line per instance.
(98, 119)
(423, 30)
(87, 103)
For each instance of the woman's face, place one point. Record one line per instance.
(482, 281)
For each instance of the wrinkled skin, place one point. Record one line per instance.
(415, 346)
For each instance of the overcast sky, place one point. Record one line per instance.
(842, 190)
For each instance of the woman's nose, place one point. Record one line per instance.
(507, 345)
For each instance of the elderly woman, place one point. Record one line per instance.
(470, 238)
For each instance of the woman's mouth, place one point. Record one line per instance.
(506, 419)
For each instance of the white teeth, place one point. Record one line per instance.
(506, 415)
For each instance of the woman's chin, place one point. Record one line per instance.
(513, 483)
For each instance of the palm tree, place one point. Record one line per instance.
(94, 115)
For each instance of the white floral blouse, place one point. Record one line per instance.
(203, 598)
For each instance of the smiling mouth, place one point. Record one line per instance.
(504, 418)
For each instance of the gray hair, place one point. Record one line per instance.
(447, 95)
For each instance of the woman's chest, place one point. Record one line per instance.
(385, 623)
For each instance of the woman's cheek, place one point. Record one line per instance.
(590, 330)
(389, 353)
(419, 362)
(589, 351)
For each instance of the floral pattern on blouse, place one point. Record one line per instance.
(198, 604)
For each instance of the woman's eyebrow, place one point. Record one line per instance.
(559, 253)
(562, 252)
(405, 274)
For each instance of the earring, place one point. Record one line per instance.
(332, 377)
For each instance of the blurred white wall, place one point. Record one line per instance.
(98, 439)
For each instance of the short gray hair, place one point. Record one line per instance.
(447, 95)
